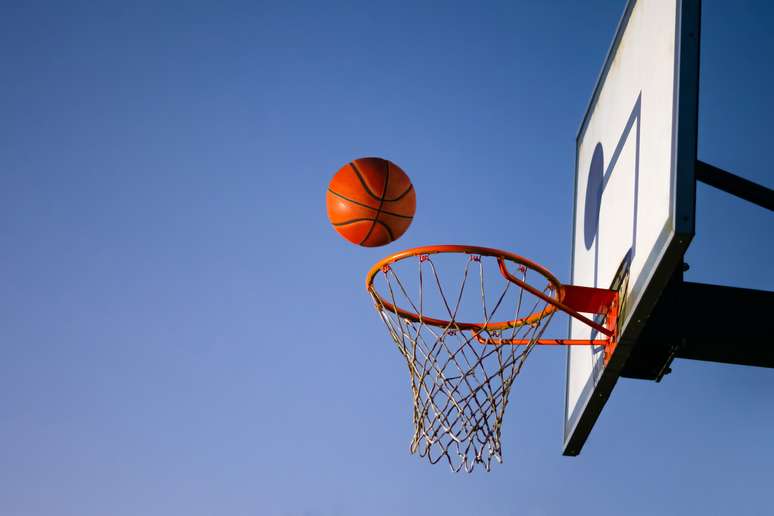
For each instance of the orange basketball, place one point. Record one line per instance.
(371, 202)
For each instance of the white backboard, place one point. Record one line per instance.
(634, 187)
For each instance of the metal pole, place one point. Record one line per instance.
(735, 185)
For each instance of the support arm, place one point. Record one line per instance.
(735, 185)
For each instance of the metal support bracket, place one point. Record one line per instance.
(735, 185)
(686, 324)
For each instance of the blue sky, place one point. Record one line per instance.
(184, 334)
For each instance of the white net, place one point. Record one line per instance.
(460, 375)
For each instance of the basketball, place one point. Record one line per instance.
(371, 202)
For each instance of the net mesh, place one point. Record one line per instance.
(460, 381)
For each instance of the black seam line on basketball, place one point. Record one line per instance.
(362, 182)
(381, 201)
(401, 196)
(386, 227)
(352, 221)
(337, 194)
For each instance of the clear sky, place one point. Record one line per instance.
(182, 331)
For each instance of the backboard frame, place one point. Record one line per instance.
(680, 227)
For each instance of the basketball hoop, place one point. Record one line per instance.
(461, 372)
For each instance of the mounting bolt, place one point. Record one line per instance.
(685, 266)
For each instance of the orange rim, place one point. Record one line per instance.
(553, 301)
(556, 303)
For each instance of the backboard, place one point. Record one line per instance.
(633, 215)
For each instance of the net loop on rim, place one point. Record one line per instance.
(460, 378)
